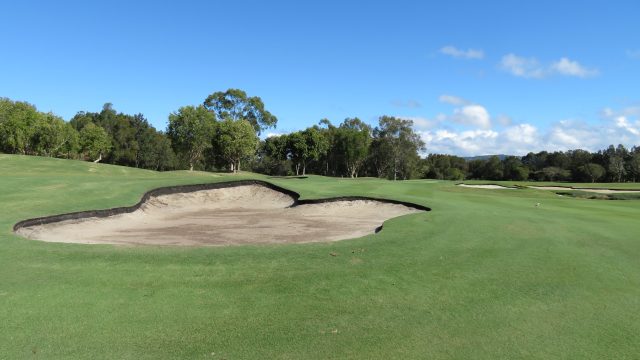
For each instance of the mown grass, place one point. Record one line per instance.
(485, 275)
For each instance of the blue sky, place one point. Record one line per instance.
(476, 77)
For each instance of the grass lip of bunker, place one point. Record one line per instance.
(224, 213)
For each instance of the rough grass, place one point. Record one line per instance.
(485, 275)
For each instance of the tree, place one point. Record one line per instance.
(51, 136)
(492, 169)
(616, 168)
(235, 140)
(305, 146)
(553, 173)
(94, 142)
(272, 156)
(330, 159)
(17, 125)
(397, 146)
(352, 140)
(155, 151)
(593, 171)
(514, 169)
(634, 165)
(191, 130)
(447, 167)
(234, 104)
(297, 149)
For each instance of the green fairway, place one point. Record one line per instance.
(486, 274)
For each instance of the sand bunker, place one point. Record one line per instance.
(247, 214)
(496, 187)
(599, 191)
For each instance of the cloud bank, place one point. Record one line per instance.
(470, 130)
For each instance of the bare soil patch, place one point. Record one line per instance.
(247, 214)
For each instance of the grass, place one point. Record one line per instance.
(485, 275)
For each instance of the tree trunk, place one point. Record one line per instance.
(304, 168)
(98, 159)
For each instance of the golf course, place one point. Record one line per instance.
(486, 274)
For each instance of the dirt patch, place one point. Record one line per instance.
(598, 191)
(247, 214)
(488, 186)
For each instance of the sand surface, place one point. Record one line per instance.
(496, 187)
(599, 191)
(249, 214)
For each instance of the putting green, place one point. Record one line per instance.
(484, 275)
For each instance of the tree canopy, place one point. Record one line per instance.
(191, 129)
(234, 104)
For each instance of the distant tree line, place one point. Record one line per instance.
(222, 134)
(614, 164)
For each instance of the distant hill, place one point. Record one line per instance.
(485, 157)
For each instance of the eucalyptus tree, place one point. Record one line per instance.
(352, 140)
(234, 104)
(191, 130)
(306, 146)
(235, 140)
(396, 147)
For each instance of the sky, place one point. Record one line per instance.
(476, 77)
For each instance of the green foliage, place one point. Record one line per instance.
(445, 167)
(351, 141)
(592, 171)
(191, 130)
(234, 104)
(94, 142)
(305, 146)
(396, 147)
(134, 141)
(235, 140)
(17, 125)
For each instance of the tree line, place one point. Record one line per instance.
(222, 134)
(613, 164)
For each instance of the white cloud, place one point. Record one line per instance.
(522, 67)
(462, 143)
(567, 67)
(453, 100)
(462, 54)
(524, 134)
(472, 115)
(620, 126)
(424, 123)
(531, 68)
(623, 123)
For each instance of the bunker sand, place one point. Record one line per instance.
(599, 191)
(247, 214)
(493, 187)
